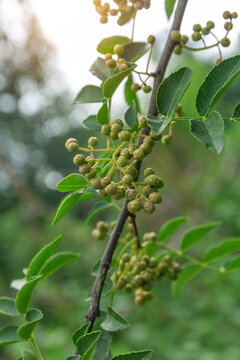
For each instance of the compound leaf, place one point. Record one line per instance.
(24, 294)
(97, 209)
(72, 182)
(33, 317)
(57, 261)
(226, 247)
(188, 273)
(7, 307)
(80, 332)
(8, 335)
(170, 226)
(134, 355)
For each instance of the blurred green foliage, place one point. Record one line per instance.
(202, 322)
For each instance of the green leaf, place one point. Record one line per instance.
(236, 113)
(57, 261)
(210, 131)
(86, 344)
(28, 355)
(233, 265)
(130, 96)
(226, 247)
(134, 355)
(188, 273)
(24, 294)
(171, 90)
(97, 209)
(112, 83)
(32, 318)
(66, 204)
(72, 182)
(80, 332)
(90, 194)
(89, 94)
(133, 51)
(74, 357)
(169, 227)
(114, 321)
(102, 351)
(195, 234)
(41, 257)
(216, 82)
(158, 125)
(91, 123)
(131, 116)
(102, 115)
(107, 45)
(8, 335)
(169, 6)
(100, 69)
(7, 307)
(125, 17)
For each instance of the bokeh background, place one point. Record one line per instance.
(37, 85)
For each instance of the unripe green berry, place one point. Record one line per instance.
(139, 300)
(149, 140)
(70, 140)
(125, 258)
(177, 267)
(184, 39)
(148, 171)
(102, 193)
(147, 277)
(225, 42)
(111, 189)
(147, 190)
(118, 49)
(177, 49)
(85, 169)
(108, 56)
(142, 122)
(130, 228)
(127, 179)
(226, 14)
(134, 206)
(117, 121)
(147, 295)
(72, 146)
(147, 286)
(125, 152)
(142, 266)
(147, 89)
(116, 128)
(234, 15)
(96, 183)
(105, 181)
(167, 259)
(124, 135)
(155, 198)
(148, 207)
(150, 237)
(93, 141)
(111, 63)
(196, 36)
(151, 39)
(91, 175)
(131, 194)
(122, 161)
(105, 129)
(205, 31)
(154, 180)
(120, 193)
(79, 159)
(135, 87)
(96, 234)
(166, 139)
(228, 25)
(120, 283)
(128, 288)
(175, 35)
(132, 148)
(133, 172)
(139, 154)
(210, 25)
(197, 27)
(114, 135)
(123, 67)
(147, 149)
(137, 280)
(171, 274)
(102, 226)
(153, 263)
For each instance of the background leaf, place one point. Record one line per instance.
(112, 83)
(102, 115)
(170, 226)
(134, 50)
(236, 113)
(80, 332)
(210, 131)
(57, 261)
(107, 45)
(28, 355)
(7, 307)
(188, 273)
(226, 247)
(97, 209)
(131, 116)
(114, 321)
(158, 125)
(89, 94)
(169, 6)
(217, 81)
(134, 355)
(102, 351)
(87, 343)
(91, 123)
(130, 96)
(100, 69)
(24, 294)
(233, 265)
(72, 182)
(8, 335)
(32, 318)
(66, 204)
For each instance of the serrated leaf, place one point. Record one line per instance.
(57, 261)
(100, 69)
(134, 355)
(170, 226)
(89, 94)
(41, 257)
(102, 351)
(171, 90)
(233, 265)
(24, 294)
(80, 332)
(28, 355)
(158, 125)
(187, 274)
(112, 83)
(236, 113)
(195, 234)
(32, 318)
(91, 123)
(65, 205)
(72, 182)
(133, 51)
(86, 344)
(114, 321)
(210, 131)
(102, 115)
(131, 116)
(169, 6)
(7, 307)
(107, 45)
(97, 209)
(226, 247)
(8, 335)
(216, 82)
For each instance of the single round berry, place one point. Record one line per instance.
(105, 129)
(96, 234)
(92, 174)
(166, 139)
(153, 263)
(135, 87)
(122, 161)
(108, 56)
(147, 190)
(205, 30)
(147, 89)
(116, 128)
(120, 194)
(139, 300)
(197, 27)
(102, 226)
(117, 121)
(234, 15)
(118, 49)
(125, 152)
(111, 189)
(105, 181)
(96, 183)
(132, 148)
(85, 169)
(226, 15)
(93, 141)
(125, 258)
(148, 207)
(130, 228)
(148, 171)
(139, 154)
(123, 67)
(111, 63)
(134, 206)
(114, 135)
(149, 140)
(184, 39)
(150, 237)
(142, 266)
(151, 39)
(154, 180)
(138, 280)
(133, 172)
(72, 146)
(142, 122)
(225, 42)
(79, 159)
(175, 35)
(155, 198)
(196, 36)
(228, 25)
(210, 25)
(177, 49)
(103, 19)
(127, 179)
(131, 194)
(124, 135)
(102, 193)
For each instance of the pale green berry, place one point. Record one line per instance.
(79, 159)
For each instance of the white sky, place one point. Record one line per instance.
(73, 27)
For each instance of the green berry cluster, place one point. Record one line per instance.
(180, 41)
(101, 230)
(137, 270)
(126, 9)
(120, 63)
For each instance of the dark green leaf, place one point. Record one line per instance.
(233, 265)
(112, 83)
(114, 321)
(226, 247)
(236, 113)
(91, 123)
(8, 335)
(80, 332)
(171, 90)
(66, 204)
(188, 273)
(74, 357)
(133, 51)
(217, 81)
(131, 116)
(169, 227)
(57, 261)
(169, 6)
(97, 209)
(28, 355)
(158, 125)
(7, 307)
(210, 131)
(89, 94)
(195, 234)
(72, 182)
(100, 69)
(102, 351)
(32, 318)
(41, 257)
(86, 344)
(134, 355)
(102, 115)
(107, 45)
(24, 294)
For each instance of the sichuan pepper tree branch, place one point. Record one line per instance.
(94, 309)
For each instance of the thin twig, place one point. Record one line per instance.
(133, 221)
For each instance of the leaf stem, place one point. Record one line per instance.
(36, 348)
